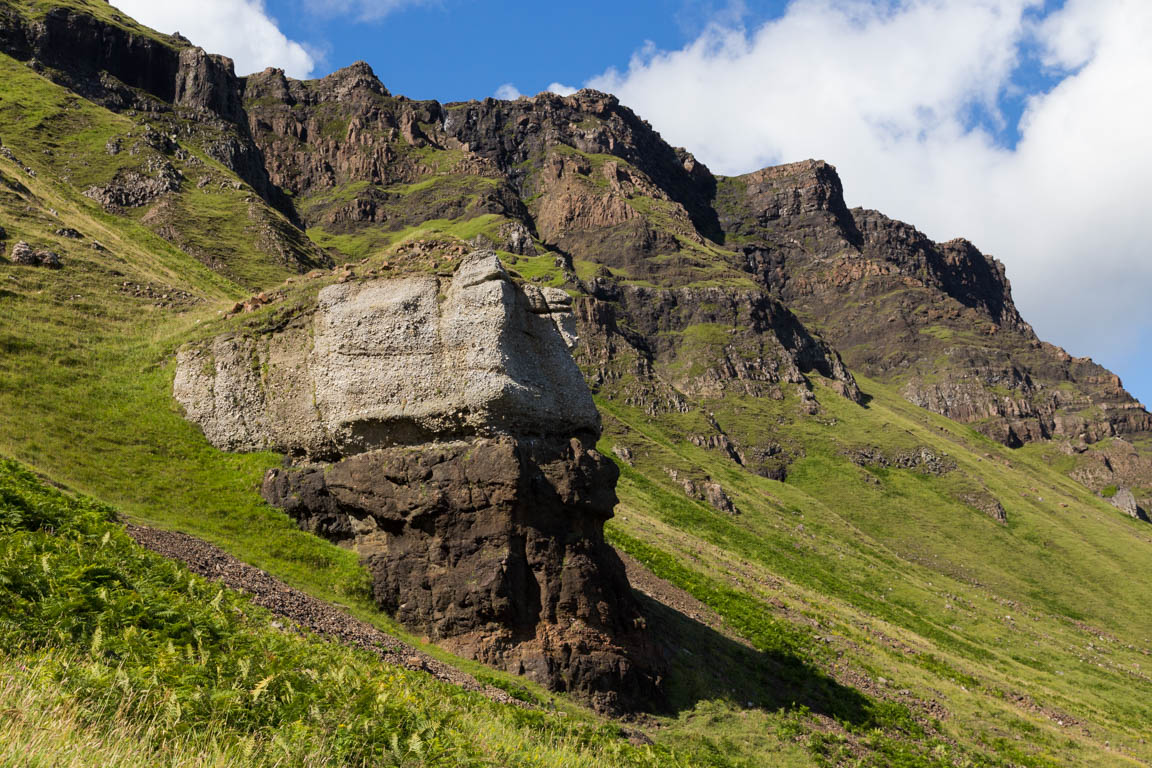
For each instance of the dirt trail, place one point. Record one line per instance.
(303, 610)
(672, 596)
(310, 613)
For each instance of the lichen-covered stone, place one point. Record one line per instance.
(395, 362)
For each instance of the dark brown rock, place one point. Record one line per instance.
(208, 83)
(493, 548)
(101, 61)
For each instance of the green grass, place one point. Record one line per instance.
(869, 615)
(121, 655)
(910, 583)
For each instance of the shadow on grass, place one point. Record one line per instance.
(706, 665)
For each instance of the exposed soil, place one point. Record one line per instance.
(303, 610)
(675, 598)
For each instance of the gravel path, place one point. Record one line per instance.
(303, 610)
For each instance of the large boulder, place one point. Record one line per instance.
(395, 362)
(443, 431)
(1125, 501)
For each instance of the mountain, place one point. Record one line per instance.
(712, 465)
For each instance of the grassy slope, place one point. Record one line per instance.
(112, 655)
(1029, 634)
(912, 586)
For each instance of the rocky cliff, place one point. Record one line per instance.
(628, 220)
(443, 431)
(937, 318)
(585, 178)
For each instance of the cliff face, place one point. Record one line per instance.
(936, 317)
(457, 437)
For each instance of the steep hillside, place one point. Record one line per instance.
(935, 319)
(858, 501)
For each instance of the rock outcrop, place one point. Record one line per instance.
(1125, 501)
(26, 255)
(936, 318)
(444, 432)
(395, 362)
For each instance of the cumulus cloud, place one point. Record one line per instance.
(561, 89)
(887, 92)
(508, 92)
(239, 29)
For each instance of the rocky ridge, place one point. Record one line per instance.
(936, 317)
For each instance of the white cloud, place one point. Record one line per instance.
(364, 10)
(508, 92)
(885, 92)
(561, 89)
(239, 29)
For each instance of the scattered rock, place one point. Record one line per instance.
(922, 459)
(22, 253)
(161, 296)
(624, 453)
(986, 503)
(705, 490)
(69, 233)
(137, 187)
(1125, 501)
(49, 259)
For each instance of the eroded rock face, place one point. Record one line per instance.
(494, 548)
(395, 362)
(1125, 501)
(460, 434)
(937, 319)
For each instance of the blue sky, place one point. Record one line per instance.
(454, 50)
(1019, 124)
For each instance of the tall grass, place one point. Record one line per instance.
(114, 655)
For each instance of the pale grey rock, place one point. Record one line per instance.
(1125, 501)
(395, 362)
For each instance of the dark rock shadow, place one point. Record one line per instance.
(704, 664)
